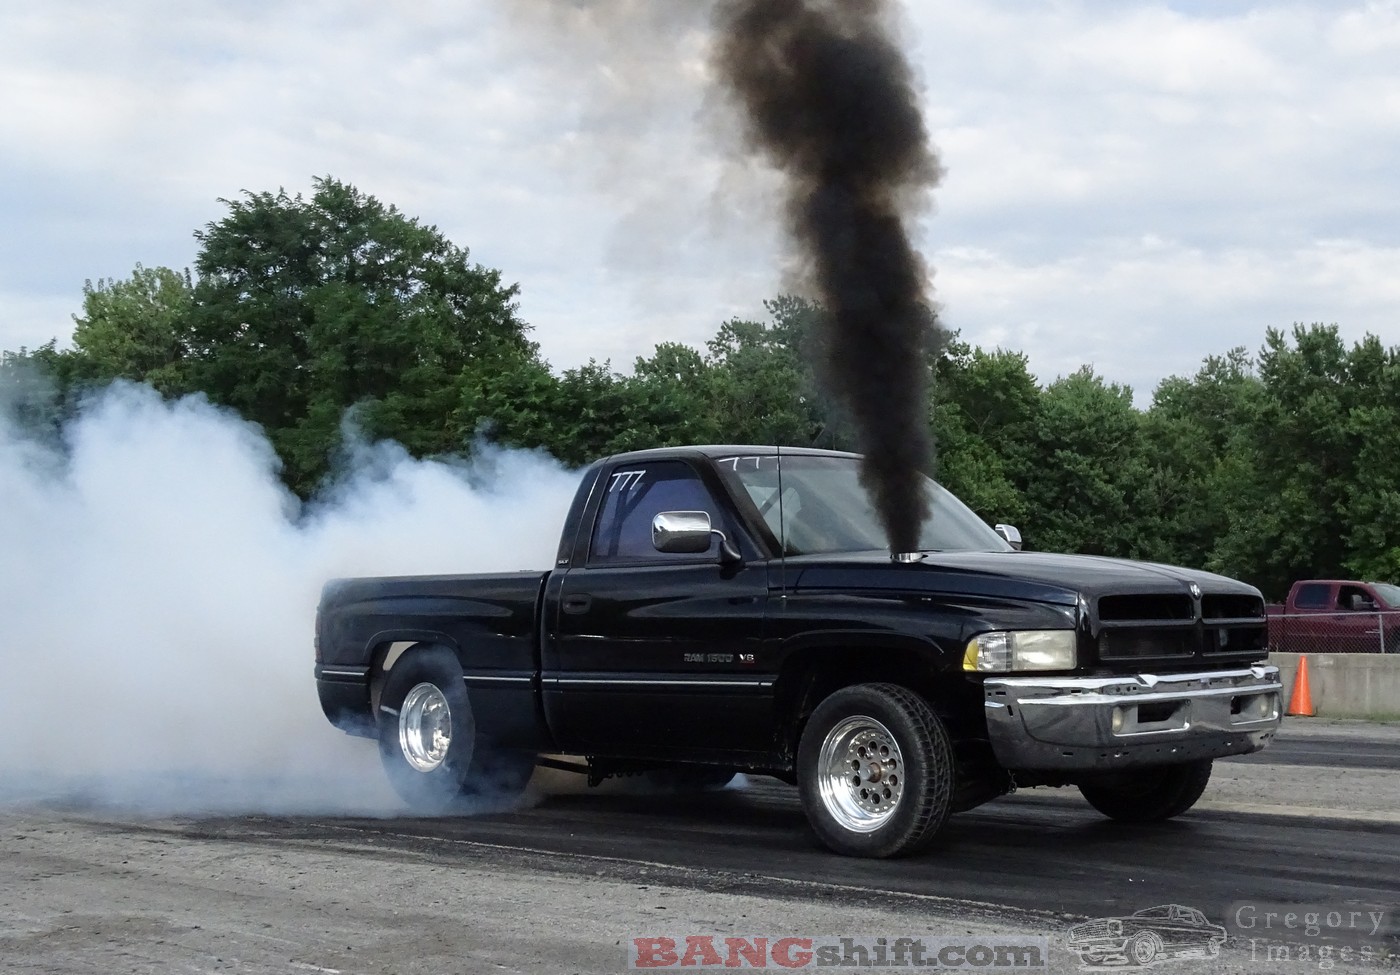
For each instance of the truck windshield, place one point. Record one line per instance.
(824, 507)
(1388, 593)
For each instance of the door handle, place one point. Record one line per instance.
(577, 604)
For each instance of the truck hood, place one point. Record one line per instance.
(1042, 576)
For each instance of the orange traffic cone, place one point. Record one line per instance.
(1300, 705)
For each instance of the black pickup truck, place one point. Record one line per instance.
(734, 608)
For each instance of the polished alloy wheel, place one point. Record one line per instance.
(425, 727)
(862, 774)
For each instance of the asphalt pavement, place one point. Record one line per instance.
(562, 885)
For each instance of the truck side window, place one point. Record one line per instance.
(639, 493)
(1355, 598)
(1314, 596)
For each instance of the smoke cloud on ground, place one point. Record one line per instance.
(158, 587)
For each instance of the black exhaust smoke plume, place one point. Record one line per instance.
(830, 99)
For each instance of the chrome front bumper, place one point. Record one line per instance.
(1119, 722)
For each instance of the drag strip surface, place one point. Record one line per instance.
(88, 889)
(1043, 852)
(1329, 752)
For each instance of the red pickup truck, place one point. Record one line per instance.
(1336, 616)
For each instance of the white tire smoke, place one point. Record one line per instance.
(158, 587)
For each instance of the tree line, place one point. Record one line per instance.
(1268, 466)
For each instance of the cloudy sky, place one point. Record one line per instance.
(1132, 185)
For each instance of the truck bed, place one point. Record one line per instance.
(489, 620)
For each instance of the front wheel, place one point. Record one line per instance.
(1143, 948)
(875, 771)
(1148, 795)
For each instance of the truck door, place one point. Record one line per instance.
(1312, 625)
(1359, 620)
(657, 654)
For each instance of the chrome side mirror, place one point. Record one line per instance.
(688, 533)
(681, 532)
(1011, 534)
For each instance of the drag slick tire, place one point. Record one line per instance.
(875, 771)
(428, 741)
(1148, 795)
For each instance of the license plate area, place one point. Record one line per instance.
(1150, 717)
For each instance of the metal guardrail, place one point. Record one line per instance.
(1335, 631)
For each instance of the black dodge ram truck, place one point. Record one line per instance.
(733, 608)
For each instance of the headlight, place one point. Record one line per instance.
(1001, 651)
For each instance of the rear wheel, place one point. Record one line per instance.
(1148, 795)
(875, 771)
(428, 741)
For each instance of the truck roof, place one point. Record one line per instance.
(725, 450)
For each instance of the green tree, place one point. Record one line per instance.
(135, 329)
(304, 307)
(1371, 503)
(764, 389)
(677, 391)
(1087, 468)
(31, 395)
(984, 410)
(1285, 521)
(1321, 499)
(514, 402)
(1199, 446)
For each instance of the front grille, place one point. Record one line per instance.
(1231, 607)
(1237, 639)
(1122, 643)
(1146, 606)
(1169, 626)
(1090, 929)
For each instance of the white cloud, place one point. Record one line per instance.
(1141, 310)
(1256, 142)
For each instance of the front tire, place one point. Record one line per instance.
(428, 742)
(1148, 795)
(875, 771)
(1143, 948)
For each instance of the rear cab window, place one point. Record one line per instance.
(634, 494)
(1314, 596)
